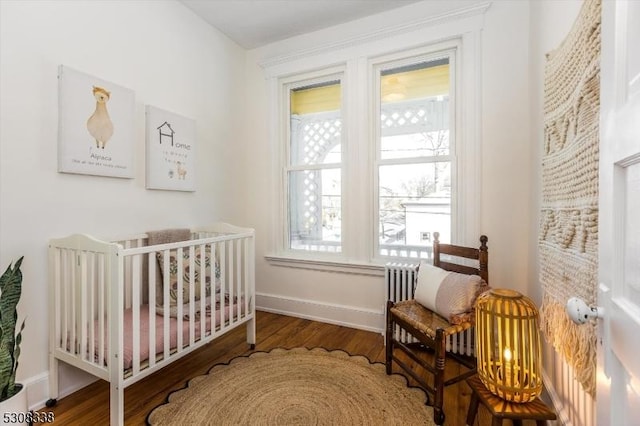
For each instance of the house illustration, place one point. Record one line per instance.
(166, 133)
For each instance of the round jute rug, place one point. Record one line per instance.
(296, 387)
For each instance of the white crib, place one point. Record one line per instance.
(102, 309)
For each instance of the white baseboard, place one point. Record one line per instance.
(37, 390)
(38, 386)
(345, 315)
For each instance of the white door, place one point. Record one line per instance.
(618, 392)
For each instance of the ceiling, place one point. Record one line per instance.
(255, 23)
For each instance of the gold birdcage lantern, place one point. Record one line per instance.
(509, 354)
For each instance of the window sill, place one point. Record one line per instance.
(327, 265)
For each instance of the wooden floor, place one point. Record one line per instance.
(90, 406)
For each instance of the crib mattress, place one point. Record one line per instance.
(174, 324)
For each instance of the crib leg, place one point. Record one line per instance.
(53, 381)
(251, 333)
(116, 405)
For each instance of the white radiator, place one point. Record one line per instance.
(400, 279)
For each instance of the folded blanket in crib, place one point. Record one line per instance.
(166, 236)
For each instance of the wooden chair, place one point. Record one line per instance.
(431, 330)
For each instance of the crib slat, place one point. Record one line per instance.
(72, 301)
(102, 301)
(58, 272)
(82, 300)
(127, 277)
(91, 300)
(179, 294)
(251, 328)
(152, 307)
(223, 282)
(192, 294)
(238, 280)
(165, 304)
(246, 277)
(135, 300)
(231, 281)
(144, 284)
(64, 305)
(215, 290)
(203, 287)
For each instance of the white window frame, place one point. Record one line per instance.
(284, 87)
(356, 59)
(395, 61)
(288, 85)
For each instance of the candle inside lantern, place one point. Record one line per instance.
(506, 354)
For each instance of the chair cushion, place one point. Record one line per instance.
(424, 320)
(450, 294)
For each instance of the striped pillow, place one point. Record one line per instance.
(449, 294)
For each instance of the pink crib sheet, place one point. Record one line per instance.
(144, 332)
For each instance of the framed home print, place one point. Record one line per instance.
(171, 145)
(96, 132)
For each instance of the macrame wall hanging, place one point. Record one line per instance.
(568, 240)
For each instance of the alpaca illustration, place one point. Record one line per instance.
(182, 172)
(99, 124)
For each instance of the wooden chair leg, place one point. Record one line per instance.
(389, 338)
(438, 379)
(473, 409)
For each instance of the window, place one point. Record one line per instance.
(376, 154)
(314, 170)
(414, 156)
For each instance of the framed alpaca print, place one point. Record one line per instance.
(171, 150)
(96, 133)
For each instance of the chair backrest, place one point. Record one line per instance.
(480, 254)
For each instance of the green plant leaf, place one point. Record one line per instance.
(10, 292)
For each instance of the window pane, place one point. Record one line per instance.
(315, 139)
(414, 201)
(315, 193)
(414, 198)
(315, 125)
(315, 214)
(414, 110)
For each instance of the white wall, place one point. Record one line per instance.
(172, 60)
(357, 300)
(551, 21)
(506, 161)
